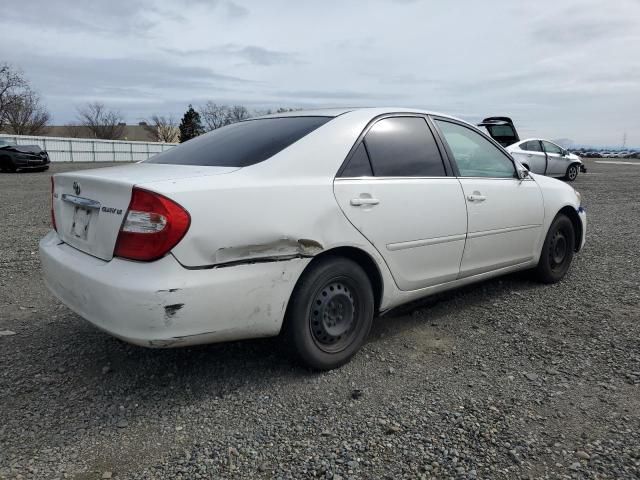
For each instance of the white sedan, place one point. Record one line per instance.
(307, 224)
(547, 158)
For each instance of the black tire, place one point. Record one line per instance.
(572, 172)
(330, 313)
(557, 251)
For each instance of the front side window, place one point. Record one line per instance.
(475, 155)
(551, 147)
(241, 144)
(403, 147)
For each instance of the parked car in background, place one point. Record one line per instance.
(307, 224)
(547, 158)
(22, 157)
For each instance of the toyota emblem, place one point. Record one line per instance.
(76, 188)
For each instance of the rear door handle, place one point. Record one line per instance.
(356, 202)
(476, 198)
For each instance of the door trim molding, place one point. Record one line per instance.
(424, 242)
(498, 231)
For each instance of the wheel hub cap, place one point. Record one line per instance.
(332, 314)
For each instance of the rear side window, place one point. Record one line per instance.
(358, 165)
(531, 146)
(241, 144)
(403, 147)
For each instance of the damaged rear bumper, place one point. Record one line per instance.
(162, 304)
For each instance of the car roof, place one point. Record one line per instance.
(335, 112)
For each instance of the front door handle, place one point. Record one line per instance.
(356, 202)
(476, 197)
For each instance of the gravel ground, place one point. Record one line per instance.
(504, 379)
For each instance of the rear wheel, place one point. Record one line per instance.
(557, 251)
(330, 313)
(572, 173)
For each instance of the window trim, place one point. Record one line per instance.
(482, 134)
(448, 170)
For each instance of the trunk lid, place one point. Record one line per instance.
(501, 129)
(91, 205)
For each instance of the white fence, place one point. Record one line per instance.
(63, 149)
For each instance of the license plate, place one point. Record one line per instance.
(81, 221)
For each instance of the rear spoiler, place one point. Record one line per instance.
(501, 129)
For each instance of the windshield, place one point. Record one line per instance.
(5, 142)
(241, 144)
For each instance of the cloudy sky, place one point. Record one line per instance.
(561, 69)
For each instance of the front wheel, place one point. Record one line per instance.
(557, 251)
(330, 313)
(6, 165)
(572, 173)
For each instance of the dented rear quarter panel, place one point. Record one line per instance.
(279, 209)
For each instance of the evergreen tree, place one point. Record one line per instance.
(190, 126)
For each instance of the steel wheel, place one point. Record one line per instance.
(557, 251)
(333, 319)
(330, 313)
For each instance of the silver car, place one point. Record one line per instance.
(547, 158)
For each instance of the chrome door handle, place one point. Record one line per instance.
(476, 198)
(356, 202)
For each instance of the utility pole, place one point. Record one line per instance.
(624, 140)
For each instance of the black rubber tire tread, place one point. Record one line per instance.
(297, 332)
(544, 271)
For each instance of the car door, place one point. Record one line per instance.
(533, 156)
(505, 213)
(557, 162)
(395, 189)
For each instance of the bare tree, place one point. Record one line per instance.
(24, 113)
(101, 122)
(214, 115)
(73, 130)
(11, 84)
(164, 129)
(237, 113)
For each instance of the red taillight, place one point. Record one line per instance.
(152, 227)
(53, 214)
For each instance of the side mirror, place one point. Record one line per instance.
(522, 172)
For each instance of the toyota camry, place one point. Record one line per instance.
(305, 224)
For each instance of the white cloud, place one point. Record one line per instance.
(567, 70)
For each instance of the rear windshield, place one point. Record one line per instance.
(241, 144)
(501, 131)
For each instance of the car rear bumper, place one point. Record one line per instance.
(162, 304)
